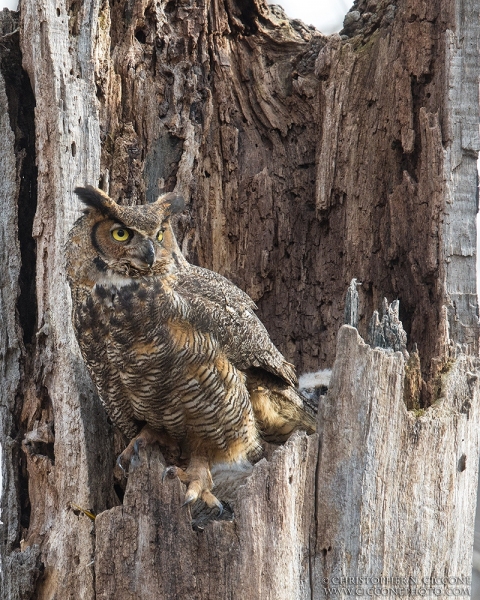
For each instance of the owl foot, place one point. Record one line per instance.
(147, 436)
(198, 480)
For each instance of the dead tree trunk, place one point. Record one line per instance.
(306, 161)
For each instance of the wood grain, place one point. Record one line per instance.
(306, 161)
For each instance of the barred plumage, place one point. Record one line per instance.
(175, 350)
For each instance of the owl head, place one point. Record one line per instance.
(130, 240)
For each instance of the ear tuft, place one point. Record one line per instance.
(174, 201)
(94, 198)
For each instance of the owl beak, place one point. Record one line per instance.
(148, 253)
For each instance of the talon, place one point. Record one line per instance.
(130, 456)
(198, 480)
(119, 464)
(137, 445)
(212, 501)
(190, 497)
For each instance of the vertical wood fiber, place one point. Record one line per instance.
(306, 161)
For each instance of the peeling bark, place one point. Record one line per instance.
(306, 161)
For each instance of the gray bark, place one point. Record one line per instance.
(306, 162)
(382, 495)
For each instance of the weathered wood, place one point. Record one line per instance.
(306, 162)
(384, 494)
(148, 547)
(352, 304)
(460, 172)
(388, 331)
(57, 395)
(10, 340)
(393, 104)
(19, 569)
(394, 486)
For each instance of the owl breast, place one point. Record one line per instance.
(176, 351)
(155, 362)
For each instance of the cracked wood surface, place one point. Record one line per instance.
(378, 492)
(306, 162)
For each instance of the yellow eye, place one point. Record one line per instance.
(121, 234)
(160, 235)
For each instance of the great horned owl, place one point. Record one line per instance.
(175, 350)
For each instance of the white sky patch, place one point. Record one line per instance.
(326, 15)
(10, 4)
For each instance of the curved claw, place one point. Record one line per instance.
(119, 464)
(187, 502)
(131, 455)
(220, 508)
(208, 498)
(211, 501)
(191, 495)
(198, 479)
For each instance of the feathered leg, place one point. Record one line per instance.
(198, 479)
(147, 436)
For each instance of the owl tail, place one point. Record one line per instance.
(278, 407)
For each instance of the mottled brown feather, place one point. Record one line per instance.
(171, 345)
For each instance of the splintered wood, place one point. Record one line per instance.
(306, 161)
(379, 492)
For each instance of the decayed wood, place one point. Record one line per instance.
(391, 479)
(219, 100)
(9, 291)
(58, 397)
(147, 546)
(19, 569)
(388, 331)
(460, 172)
(383, 494)
(391, 114)
(306, 161)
